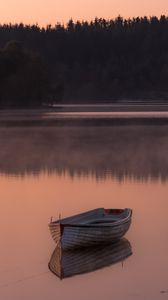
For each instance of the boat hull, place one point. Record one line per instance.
(72, 236)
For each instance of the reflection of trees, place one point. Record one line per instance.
(138, 152)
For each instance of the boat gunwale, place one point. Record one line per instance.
(92, 225)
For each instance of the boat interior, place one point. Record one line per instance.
(96, 216)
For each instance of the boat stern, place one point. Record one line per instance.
(55, 230)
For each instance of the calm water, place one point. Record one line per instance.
(45, 171)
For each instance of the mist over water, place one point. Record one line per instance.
(137, 152)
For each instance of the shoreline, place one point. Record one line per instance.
(99, 114)
(115, 107)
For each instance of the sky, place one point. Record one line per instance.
(46, 12)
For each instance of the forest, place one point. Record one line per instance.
(101, 61)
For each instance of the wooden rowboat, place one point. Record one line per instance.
(66, 263)
(91, 228)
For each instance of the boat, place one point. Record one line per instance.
(67, 263)
(91, 228)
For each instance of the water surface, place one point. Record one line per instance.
(45, 171)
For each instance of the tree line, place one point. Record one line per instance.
(96, 61)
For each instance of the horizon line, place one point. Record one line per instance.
(76, 20)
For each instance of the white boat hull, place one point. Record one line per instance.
(78, 235)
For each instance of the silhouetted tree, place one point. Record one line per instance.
(23, 77)
(101, 60)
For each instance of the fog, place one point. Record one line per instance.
(138, 152)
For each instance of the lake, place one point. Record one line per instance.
(66, 169)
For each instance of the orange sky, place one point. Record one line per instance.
(52, 11)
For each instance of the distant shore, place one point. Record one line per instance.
(87, 114)
(105, 107)
(116, 107)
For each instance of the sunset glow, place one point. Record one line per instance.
(52, 11)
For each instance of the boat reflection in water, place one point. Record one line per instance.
(66, 263)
